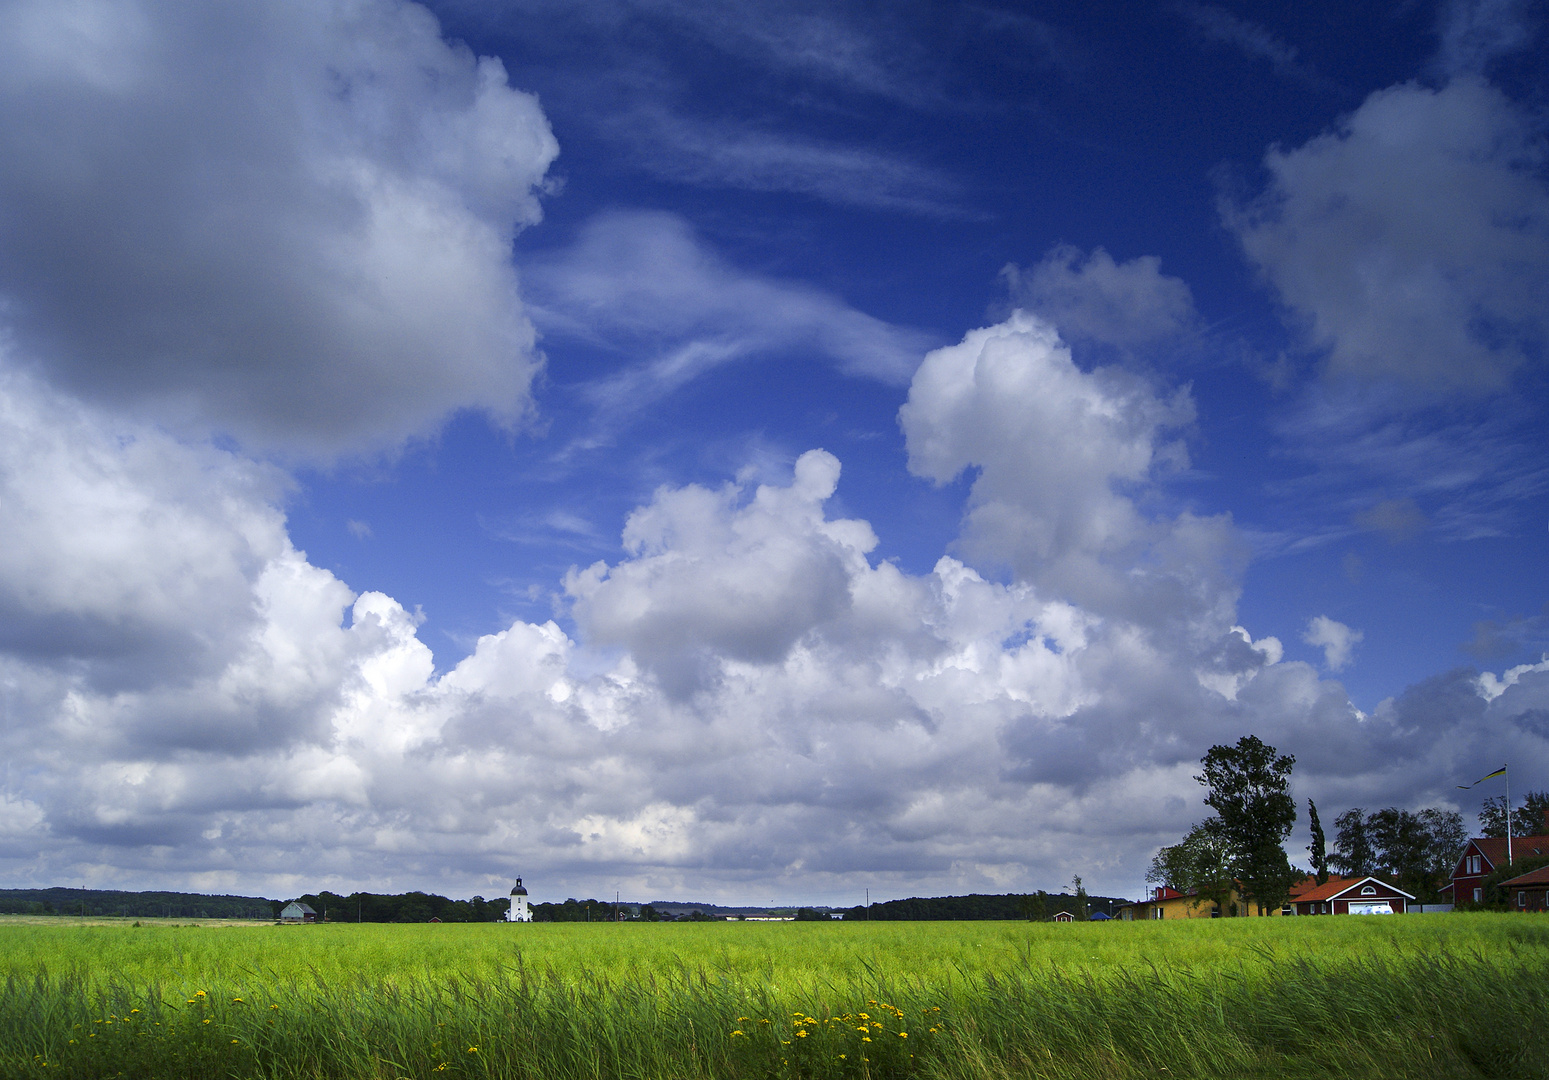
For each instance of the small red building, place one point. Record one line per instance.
(1482, 855)
(1529, 891)
(1350, 896)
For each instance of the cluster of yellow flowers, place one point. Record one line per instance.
(862, 1025)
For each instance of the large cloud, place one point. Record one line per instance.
(1059, 454)
(748, 704)
(1412, 242)
(288, 221)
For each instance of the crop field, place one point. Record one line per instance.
(1461, 995)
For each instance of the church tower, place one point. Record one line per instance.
(519, 911)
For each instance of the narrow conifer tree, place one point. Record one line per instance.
(1318, 849)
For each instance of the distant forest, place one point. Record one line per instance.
(423, 907)
(140, 905)
(1038, 906)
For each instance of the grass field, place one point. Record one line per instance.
(1461, 995)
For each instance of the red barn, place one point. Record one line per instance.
(1350, 896)
(1482, 855)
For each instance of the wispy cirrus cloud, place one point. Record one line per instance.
(1220, 26)
(718, 153)
(640, 282)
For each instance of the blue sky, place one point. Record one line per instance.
(758, 452)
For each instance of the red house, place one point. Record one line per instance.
(1350, 896)
(1482, 855)
(1529, 891)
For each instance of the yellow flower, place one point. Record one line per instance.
(865, 1038)
(132, 1011)
(236, 1001)
(763, 1021)
(206, 1020)
(276, 1008)
(862, 1029)
(473, 1049)
(233, 1042)
(903, 1034)
(841, 1057)
(742, 1019)
(738, 1032)
(198, 993)
(801, 1034)
(863, 1016)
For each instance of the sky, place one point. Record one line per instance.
(757, 452)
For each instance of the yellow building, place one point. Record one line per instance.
(1169, 903)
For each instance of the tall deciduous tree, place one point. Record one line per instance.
(1353, 856)
(1318, 849)
(1248, 788)
(1201, 864)
(1526, 820)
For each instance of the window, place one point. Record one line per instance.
(1522, 898)
(1475, 864)
(1478, 895)
(1368, 891)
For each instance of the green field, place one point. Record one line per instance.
(1458, 995)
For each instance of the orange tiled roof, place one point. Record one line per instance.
(1336, 886)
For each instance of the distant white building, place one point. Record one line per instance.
(297, 912)
(519, 911)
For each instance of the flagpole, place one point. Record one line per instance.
(1506, 776)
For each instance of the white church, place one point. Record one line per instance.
(519, 911)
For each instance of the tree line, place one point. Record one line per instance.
(97, 903)
(1241, 847)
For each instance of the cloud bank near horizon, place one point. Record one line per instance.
(748, 703)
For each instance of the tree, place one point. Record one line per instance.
(1248, 788)
(1035, 906)
(1447, 839)
(1526, 820)
(1200, 864)
(1401, 847)
(1081, 911)
(1353, 856)
(1416, 851)
(1318, 849)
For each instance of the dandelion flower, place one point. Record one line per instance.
(473, 1049)
(903, 1034)
(865, 1038)
(206, 1020)
(738, 1032)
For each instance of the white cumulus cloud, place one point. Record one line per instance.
(1337, 640)
(1412, 241)
(290, 222)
